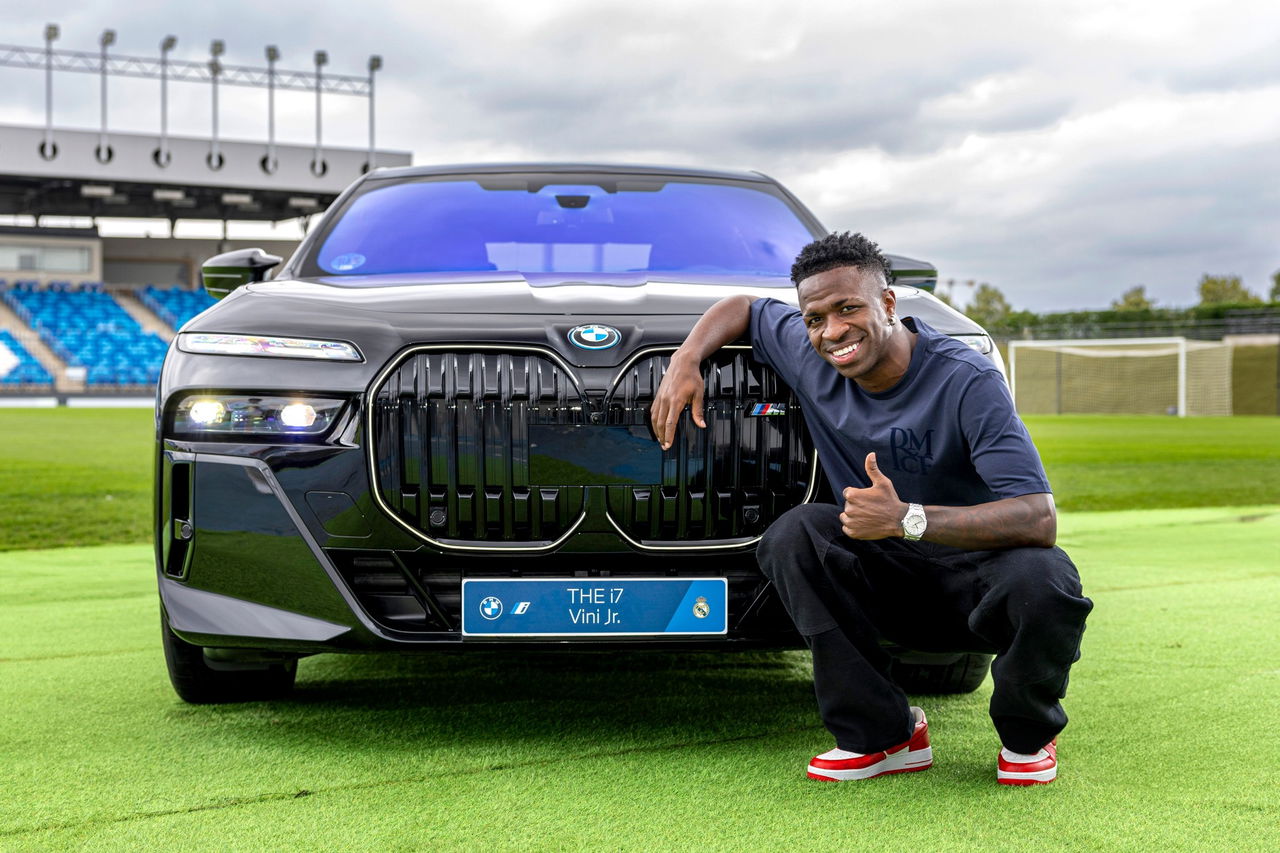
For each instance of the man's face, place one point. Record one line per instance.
(846, 312)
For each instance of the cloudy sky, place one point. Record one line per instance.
(1062, 151)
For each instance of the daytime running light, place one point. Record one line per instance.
(267, 345)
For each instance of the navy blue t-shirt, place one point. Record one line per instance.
(946, 434)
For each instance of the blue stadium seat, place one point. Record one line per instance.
(174, 305)
(27, 371)
(88, 328)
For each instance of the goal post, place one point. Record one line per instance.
(1121, 376)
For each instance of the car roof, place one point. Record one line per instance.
(569, 168)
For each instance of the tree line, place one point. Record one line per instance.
(1219, 294)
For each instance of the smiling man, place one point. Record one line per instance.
(943, 537)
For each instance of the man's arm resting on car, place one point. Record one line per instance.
(876, 513)
(682, 384)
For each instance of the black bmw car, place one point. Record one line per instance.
(430, 428)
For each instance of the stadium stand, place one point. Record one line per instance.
(86, 328)
(18, 367)
(174, 305)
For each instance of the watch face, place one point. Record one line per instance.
(914, 522)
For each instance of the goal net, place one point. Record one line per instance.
(1121, 376)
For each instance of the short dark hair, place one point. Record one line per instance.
(840, 250)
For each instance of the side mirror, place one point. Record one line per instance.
(916, 273)
(223, 273)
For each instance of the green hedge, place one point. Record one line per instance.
(1151, 321)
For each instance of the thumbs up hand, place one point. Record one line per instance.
(874, 512)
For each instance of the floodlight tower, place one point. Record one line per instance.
(318, 167)
(216, 48)
(269, 162)
(162, 156)
(375, 63)
(47, 149)
(103, 152)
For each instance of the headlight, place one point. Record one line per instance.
(267, 345)
(982, 343)
(219, 414)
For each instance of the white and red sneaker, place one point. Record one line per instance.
(840, 765)
(1013, 768)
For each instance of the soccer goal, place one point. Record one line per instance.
(1121, 376)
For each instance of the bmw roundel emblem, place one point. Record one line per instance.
(594, 336)
(491, 607)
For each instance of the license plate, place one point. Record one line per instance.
(594, 607)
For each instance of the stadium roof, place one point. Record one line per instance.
(199, 179)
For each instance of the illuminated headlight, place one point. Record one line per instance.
(981, 343)
(267, 345)
(207, 412)
(298, 415)
(211, 415)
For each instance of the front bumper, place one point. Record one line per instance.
(283, 547)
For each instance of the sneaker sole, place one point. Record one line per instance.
(902, 762)
(1038, 777)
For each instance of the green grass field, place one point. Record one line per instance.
(1108, 462)
(75, 476)
(1172, 704)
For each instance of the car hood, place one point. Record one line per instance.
(384, 315)
(516, 293)
(470, 303)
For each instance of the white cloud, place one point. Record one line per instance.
(1064, 216)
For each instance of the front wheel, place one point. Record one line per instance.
(204, 677)
(918, 672)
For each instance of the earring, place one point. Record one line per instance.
(890, 319)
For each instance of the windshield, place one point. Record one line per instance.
(581, 224)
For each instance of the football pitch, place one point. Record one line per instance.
(1170, 746)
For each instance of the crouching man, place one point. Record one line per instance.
(943, 539)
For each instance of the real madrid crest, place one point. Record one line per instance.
(700, 607)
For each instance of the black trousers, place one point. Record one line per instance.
(1022, 604)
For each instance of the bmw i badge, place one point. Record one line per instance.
(594, 336)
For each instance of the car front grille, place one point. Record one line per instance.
(457, 458)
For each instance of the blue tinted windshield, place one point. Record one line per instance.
(640, 224)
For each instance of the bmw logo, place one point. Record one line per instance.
(491, 608)
(594, 336)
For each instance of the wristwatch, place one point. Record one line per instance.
(914, 523)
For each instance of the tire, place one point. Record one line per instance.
(917, 672)
(200, 681)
